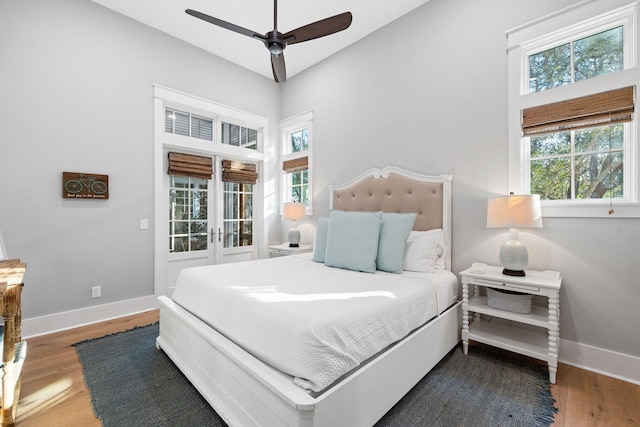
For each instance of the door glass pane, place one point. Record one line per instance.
(238, 214)
(188, 225)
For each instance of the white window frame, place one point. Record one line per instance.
(288, 127)
(164, 142)
(572, 23)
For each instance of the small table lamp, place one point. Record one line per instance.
(294, 211)
(513, 212)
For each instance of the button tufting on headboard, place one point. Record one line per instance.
(395, 193)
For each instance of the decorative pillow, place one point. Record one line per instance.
(352, 240)
(394, 230)
(424, 251)
(320, 240)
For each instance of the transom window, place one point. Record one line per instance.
(239, 136)
(582, 59)
(188, 124)
(192, 125)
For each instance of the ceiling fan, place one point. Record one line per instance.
(276, 42)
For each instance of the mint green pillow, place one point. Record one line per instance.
(320, 241)
(394, 230)
(352, 240)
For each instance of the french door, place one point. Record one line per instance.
(211, 221)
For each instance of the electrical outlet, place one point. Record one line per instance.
(96, 292)
(144, 224)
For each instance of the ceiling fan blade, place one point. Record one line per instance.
(319, 29)
(224, 24)
(279, 70)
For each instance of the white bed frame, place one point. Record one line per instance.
(246, 392)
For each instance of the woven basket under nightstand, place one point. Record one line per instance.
(515, 302)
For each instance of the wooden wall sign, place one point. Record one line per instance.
(85, 186)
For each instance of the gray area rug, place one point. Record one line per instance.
(133, 384)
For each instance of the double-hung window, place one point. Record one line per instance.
(572, 126)
(297, 140)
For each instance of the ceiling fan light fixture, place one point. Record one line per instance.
(275, 48)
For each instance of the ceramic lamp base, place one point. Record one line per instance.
(294, 238)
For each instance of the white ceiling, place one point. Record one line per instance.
(257, 15)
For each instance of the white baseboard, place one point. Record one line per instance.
(606, 362)
(56, 322)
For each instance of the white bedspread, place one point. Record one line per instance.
(308, 320)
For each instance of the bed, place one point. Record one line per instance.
(250, 384)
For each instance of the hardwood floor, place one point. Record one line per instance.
(54, 393)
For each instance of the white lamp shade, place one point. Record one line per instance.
(514, 211)
(294, 210)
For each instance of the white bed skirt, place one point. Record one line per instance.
(246, 392)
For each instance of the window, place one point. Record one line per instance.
(296, 153)
(567, 142)
(582, 59)
(188, 124)
(187, 214)
(239, 136)
(583, 164)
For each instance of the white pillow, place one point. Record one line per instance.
(424, 251)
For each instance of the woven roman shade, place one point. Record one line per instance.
(296, 165)
(242, 173)
(190, 165)
(614, 106)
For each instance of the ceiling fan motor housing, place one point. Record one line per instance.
(275, 42)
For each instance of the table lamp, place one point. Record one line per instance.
(513, 212)
(294, 211)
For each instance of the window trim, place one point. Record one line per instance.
(287, 127)
(164, 142)
(572, 23)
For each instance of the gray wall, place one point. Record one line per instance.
(429, 93)
(76, 84)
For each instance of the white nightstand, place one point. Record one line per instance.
(513, 333)
(285, 250)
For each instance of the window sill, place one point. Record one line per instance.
(600, 210)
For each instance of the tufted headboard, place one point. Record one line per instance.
(396, 190)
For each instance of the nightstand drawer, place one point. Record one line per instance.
(285, 250)
(508, 286)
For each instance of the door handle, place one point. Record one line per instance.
(219, 235)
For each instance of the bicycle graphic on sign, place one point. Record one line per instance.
(81, 185)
